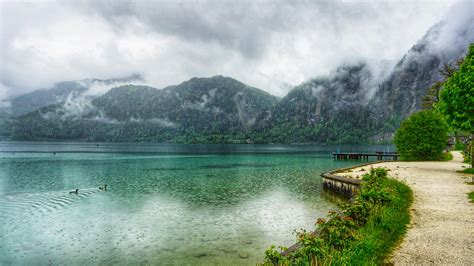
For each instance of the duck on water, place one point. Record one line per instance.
(104, 188)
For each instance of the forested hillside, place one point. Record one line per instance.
(216, 109)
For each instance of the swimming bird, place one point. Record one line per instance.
(103, 188)
(74, 192)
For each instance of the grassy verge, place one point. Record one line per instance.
(470, 195)
(446, 156)
(363, 232)
(468, 171)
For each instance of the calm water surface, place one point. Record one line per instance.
(169, 204)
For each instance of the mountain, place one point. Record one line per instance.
(5, 124)
(353, 106)
(61, 91)
(33, 100)
(402, 92)
(216, 109)
(329, 109)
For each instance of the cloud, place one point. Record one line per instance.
(457, 29)
(98, 87)
(3, 95)
(268, 44)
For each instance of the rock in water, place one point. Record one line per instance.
(243, 255)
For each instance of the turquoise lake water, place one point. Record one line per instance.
(165, 203)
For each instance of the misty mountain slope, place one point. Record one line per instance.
(350, 106)
(199, 107)
(39, 98)
(402, 92)
(5, 124)
(217, 104)
(331, 109)
(61, 91)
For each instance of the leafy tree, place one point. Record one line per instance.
(432, 96)
(422, 136)
(457, 98)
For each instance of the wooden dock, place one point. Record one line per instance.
(365, 156)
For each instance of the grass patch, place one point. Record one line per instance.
(446, 156)
(467, 157)
(468, 171)
(470, 195)
(361, 233)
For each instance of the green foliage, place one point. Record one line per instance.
(372, 191)
(273, 256)
(457, 97)
(361, 233)
(468, 171)
(422, 136)
(446, 156)
(432, 96)
(470, 195)
(459, 146)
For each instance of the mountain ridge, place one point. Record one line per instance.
(350, 105)
(219, 106)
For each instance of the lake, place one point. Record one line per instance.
(165, 203)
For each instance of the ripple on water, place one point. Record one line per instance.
(187, 210)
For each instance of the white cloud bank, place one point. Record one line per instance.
(266, 44)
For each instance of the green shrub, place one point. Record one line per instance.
(422, 136)
(446, 156)
(468, 171)
(470, 195)
(459, 146)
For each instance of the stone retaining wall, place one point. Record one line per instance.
(342, 185)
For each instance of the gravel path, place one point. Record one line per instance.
(442, 219)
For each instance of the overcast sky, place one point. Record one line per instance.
(262, 43)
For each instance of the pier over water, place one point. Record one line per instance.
(365, 156)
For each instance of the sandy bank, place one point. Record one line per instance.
(442, 225)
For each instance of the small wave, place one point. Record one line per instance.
(14, 207)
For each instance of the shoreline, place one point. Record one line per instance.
(331, 175)
(440, 230)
